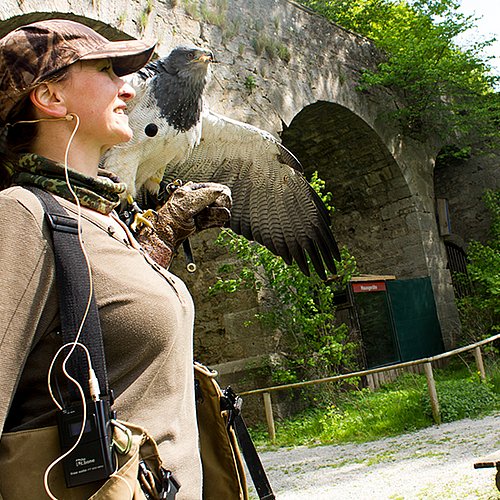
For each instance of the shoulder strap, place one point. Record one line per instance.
(73, 283)
(232, 402)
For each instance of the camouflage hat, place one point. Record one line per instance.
(32, 53)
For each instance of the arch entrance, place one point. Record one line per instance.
(370, 194)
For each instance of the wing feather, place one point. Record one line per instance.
(272, 201)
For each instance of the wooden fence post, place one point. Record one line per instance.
(479, 362)
(268, 408)
(431, 385)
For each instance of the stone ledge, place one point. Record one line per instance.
(241, 365)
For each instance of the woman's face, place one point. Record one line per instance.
(94, 93)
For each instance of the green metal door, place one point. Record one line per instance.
(379, 340)
(415, 318)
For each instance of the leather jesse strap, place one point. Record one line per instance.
(73, 285)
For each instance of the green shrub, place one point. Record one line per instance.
(250, 82)
(480, 311)
(300, 309)
(462, 399)
(396, 408)
(424, 62)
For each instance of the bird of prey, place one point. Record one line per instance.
(176, 136)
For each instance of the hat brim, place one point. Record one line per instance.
(127, 56)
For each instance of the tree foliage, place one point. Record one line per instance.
(300, 308)
(447, 90)
(480, 310)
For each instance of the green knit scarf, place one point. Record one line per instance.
(101, 193)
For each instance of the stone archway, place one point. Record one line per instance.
(367, 186)
(385, 211)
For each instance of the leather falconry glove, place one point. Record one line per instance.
(190, 208)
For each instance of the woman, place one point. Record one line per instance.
(62, 105)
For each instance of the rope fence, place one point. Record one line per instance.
(427, 362)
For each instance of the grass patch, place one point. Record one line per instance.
(462, 399)
(272, 48)
(399, 407)
(495, 377)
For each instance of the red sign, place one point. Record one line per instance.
(372, 286)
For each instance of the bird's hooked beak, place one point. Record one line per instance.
(206, 57)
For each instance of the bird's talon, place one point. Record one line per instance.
(143, 220)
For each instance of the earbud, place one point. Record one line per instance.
(69, 118)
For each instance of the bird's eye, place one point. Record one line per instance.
(190, 55)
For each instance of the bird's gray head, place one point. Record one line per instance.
(177, 83)
(187, 62)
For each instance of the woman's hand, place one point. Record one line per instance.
(196, 206)
(190, 208)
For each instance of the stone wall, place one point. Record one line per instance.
(294, 74)
(463, 183)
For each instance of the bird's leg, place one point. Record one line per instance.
(152, 185)
(141, 217)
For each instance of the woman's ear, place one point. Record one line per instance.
(48, 100)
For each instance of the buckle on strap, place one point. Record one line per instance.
(62, 223)
(122, 448)
(231, 402)
(165, 487)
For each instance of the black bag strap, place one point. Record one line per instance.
(73, 282)
(232, 402)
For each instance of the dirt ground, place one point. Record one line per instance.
(433, 463)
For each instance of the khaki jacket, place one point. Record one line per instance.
(146, 316)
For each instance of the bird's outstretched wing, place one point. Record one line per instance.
(273, 203)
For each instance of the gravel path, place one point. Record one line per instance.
(433, 463)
